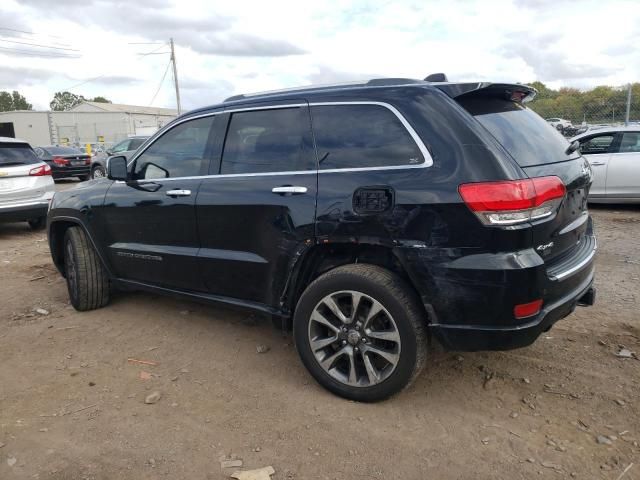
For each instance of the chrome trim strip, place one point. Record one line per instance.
(427, 159)
(578, 267)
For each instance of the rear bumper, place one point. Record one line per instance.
(473, 337)
(470, 299)
(71, 171)
(23, 211)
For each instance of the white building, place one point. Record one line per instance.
(88, 122)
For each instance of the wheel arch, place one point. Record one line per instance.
(57, 229)
(321, 258)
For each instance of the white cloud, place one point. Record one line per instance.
(225, 47)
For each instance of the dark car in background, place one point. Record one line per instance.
(126, 147)
(66, 162)
(366, 217)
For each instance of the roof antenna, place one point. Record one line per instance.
(436, 77)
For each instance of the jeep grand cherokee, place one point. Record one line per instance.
(366, 217)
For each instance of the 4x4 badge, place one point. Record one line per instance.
(545, 247)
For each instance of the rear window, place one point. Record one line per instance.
(14, 154)
(523, 133)
(135, 143)
(63, 151)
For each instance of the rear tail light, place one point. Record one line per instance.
(60, 161)
(40, 171)
(513, 201)
(525, 310)
(87, 161)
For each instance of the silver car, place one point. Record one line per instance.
(614, 155)
(26, 184)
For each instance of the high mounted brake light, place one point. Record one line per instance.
(514, 201)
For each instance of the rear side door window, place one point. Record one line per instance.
(597, 144)
(181, 152)
(362, 136)
(265, 141)
(630, 142)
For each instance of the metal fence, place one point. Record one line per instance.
(572, 111)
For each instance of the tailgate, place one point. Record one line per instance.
(561, 237)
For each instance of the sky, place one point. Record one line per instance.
(118, 48)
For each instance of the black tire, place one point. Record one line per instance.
(87, 280)
(101, 172)
(37, 223)
(84, 178)
(399, 301)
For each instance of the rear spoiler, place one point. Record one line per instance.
(508, 91)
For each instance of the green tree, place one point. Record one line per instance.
(100, 99)
(13, 101)
(65, 101)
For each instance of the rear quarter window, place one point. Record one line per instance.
(15, 154)
(362, 136)
(528, 138)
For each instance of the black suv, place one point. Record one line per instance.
(367, 218)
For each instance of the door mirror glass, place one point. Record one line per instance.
(117, 168)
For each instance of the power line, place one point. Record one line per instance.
(154, 52)
(38, 54)
(29, 33)
(164, 75)
(38, 45)
(89, 80)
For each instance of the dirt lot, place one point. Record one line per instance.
(72, 406)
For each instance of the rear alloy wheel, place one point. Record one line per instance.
(361, 333)
(87, 280)
(98, 172)
(37, 223)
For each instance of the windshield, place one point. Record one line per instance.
(63, 151)
(523, 133)
(16, 154)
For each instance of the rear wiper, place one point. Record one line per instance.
(575, 145)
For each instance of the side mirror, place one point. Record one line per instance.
(117, 168)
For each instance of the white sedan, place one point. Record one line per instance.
(614, 155)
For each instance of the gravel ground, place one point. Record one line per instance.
(72, 406)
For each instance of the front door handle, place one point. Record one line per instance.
(293, 190)
(178, 193)
(595, 164)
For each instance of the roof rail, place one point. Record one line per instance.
(294, 89)
(375, 82)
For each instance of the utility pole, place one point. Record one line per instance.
(175, 75)
(626, 117)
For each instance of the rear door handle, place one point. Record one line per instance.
(289, 189)
(178, 193)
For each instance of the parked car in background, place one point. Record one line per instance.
(559, 123)
(614, 155)
(366, 217)
(66, 162)
(126, 148)
(26, 185)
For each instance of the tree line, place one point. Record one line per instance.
(62, 101)
(602, 104)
